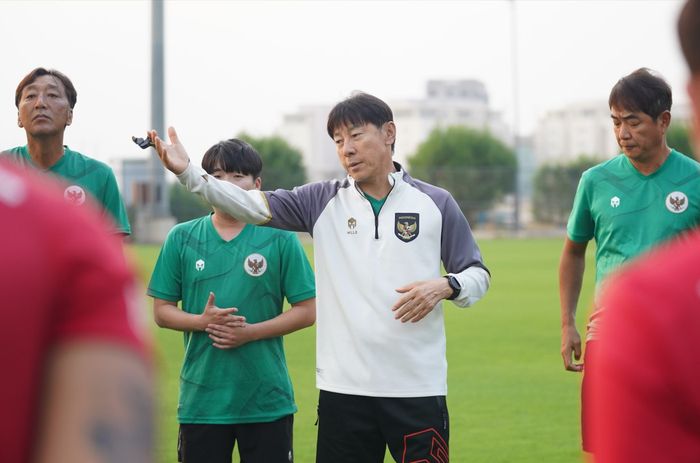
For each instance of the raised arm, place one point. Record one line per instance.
(173, 155)
(248, 206)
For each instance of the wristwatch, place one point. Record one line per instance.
(454, 284)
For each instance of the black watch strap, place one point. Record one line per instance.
(454, 284)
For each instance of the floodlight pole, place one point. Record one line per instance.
(516, 113)
(158, 201)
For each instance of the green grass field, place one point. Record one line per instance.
(510, 399)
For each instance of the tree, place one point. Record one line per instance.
(678, 138)
(283, 166)
(475, 167)
(186, 206)
(554, 188)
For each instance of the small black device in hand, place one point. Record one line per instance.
(143, 142)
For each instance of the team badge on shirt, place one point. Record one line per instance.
(74, 194)
(255, 265)
(615, 201)
(406, 226)
(199, 265)
(676, 202)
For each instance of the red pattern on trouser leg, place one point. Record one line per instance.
(429, 440)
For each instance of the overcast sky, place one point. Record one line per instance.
(242, 65)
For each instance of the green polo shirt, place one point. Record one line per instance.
(255, 272)
(84, 175)
(627, 212)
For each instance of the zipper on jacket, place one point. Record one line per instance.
(376, 214)
(376, 224)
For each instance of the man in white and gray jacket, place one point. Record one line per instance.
(379, 239)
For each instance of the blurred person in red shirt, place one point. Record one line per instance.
(76, 384)
(647, 381)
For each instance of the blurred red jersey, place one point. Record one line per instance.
(647, 382)
(63, 278)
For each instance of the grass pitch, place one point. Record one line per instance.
(509, 398)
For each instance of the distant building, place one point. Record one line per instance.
(564, 134)
(305, 130)
(138, 191)
(447, 103)
(135, 178)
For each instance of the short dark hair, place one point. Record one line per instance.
(643, 90)
(233, 155)
(689, 34)
(71, 93)
(359, 109)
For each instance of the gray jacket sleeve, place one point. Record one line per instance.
(296, 209)
(248, 206)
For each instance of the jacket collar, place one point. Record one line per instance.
(394, 177)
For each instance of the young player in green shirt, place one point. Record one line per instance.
(234, 384)
(45, 100)
(638, 199)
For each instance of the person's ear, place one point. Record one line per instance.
(19, 121)
(69, 121)
(665, 120)
(389, 130)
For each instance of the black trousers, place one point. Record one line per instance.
(257, 442)
(353, 429)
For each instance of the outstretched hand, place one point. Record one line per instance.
(173, 155)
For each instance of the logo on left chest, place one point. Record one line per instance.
(352, 224)
(676, 202)
(74, 194)
(255, 265)
(406, 226)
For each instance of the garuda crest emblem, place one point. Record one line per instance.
(406, 226)
(676, 202)
(74, 195)
(255, 265)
